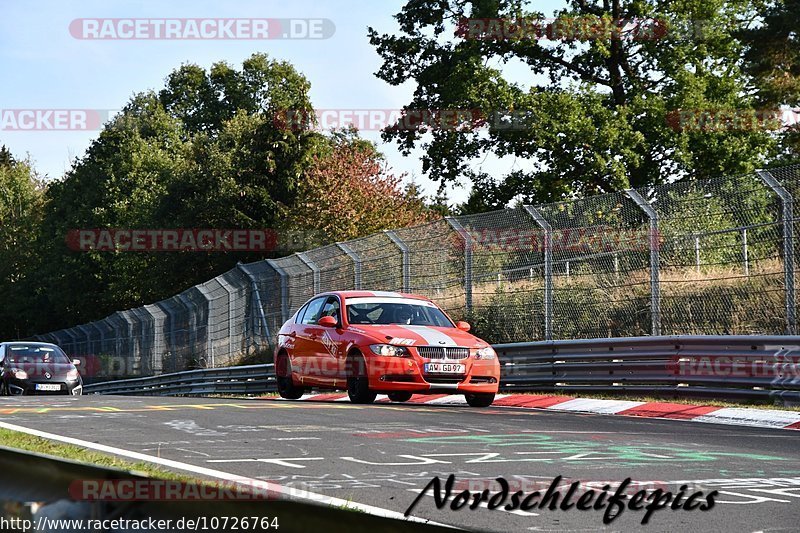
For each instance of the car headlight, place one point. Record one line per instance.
(485, 353)
(19, 373)
(389, 349)
(72, 375)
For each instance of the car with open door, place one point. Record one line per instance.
(371, 343)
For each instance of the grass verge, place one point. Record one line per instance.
(30, 443)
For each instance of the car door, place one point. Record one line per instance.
(326, 340)
(305, 342)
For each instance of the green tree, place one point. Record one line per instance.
(347, 191)
(6, 158)
(589, 103)
(204, 152)
(772, 60)
(21, 203)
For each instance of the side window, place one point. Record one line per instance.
(313, 311)
(331, 308)
(298, 318)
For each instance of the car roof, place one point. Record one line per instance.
(26, 343)
(368, 294)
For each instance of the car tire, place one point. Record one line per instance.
(357, 381)
(399, 396)
(283, 375)
(479, 399)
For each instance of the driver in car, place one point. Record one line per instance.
(403, 315)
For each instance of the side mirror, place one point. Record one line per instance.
(463, 326)
(328, 322)
(76, 362)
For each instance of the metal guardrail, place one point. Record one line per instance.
(251, 379)
(56, 486)
(722, 367)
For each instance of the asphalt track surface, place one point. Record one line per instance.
(384, 455)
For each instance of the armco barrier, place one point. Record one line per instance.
(723, 367)
(59, 487)
(252, 379)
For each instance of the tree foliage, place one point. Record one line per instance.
(588, 102)
(21, 204)
(206, 151)
(348, 192)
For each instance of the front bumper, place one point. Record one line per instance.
(389, 374)
(28, 388)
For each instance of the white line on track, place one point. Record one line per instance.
(274, 488)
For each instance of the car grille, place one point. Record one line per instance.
(443, 352)
(445, 380)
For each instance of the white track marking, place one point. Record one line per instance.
(274, 488)
(288, 462)
(606, 407)
(741, 416)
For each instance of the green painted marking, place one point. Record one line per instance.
(579, 451)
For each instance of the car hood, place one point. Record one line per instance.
(57, 371)
(419, 335)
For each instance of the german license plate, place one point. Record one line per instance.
(48, 386)
(444, 368)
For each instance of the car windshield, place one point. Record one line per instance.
(404, 311)
(35, 354)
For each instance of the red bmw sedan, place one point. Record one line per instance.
(382, 342)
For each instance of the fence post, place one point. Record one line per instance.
(788, 245)
(202, 289)
(745, 253)
(87, 335)
(228, 288)
(102, 338)
(356, 263)
(655, 286)
(159, 318)
(284, 288)
(697, 253)
(548, 269)
(456, 225)
(256, 296)
(314, 269)
(403, 247)
(191, 323)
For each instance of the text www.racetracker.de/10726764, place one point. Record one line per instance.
(198, 523)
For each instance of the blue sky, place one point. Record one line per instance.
(44, 67)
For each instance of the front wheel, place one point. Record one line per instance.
(479, 399)
(283, 375)
(399, 396)
(357, 382)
